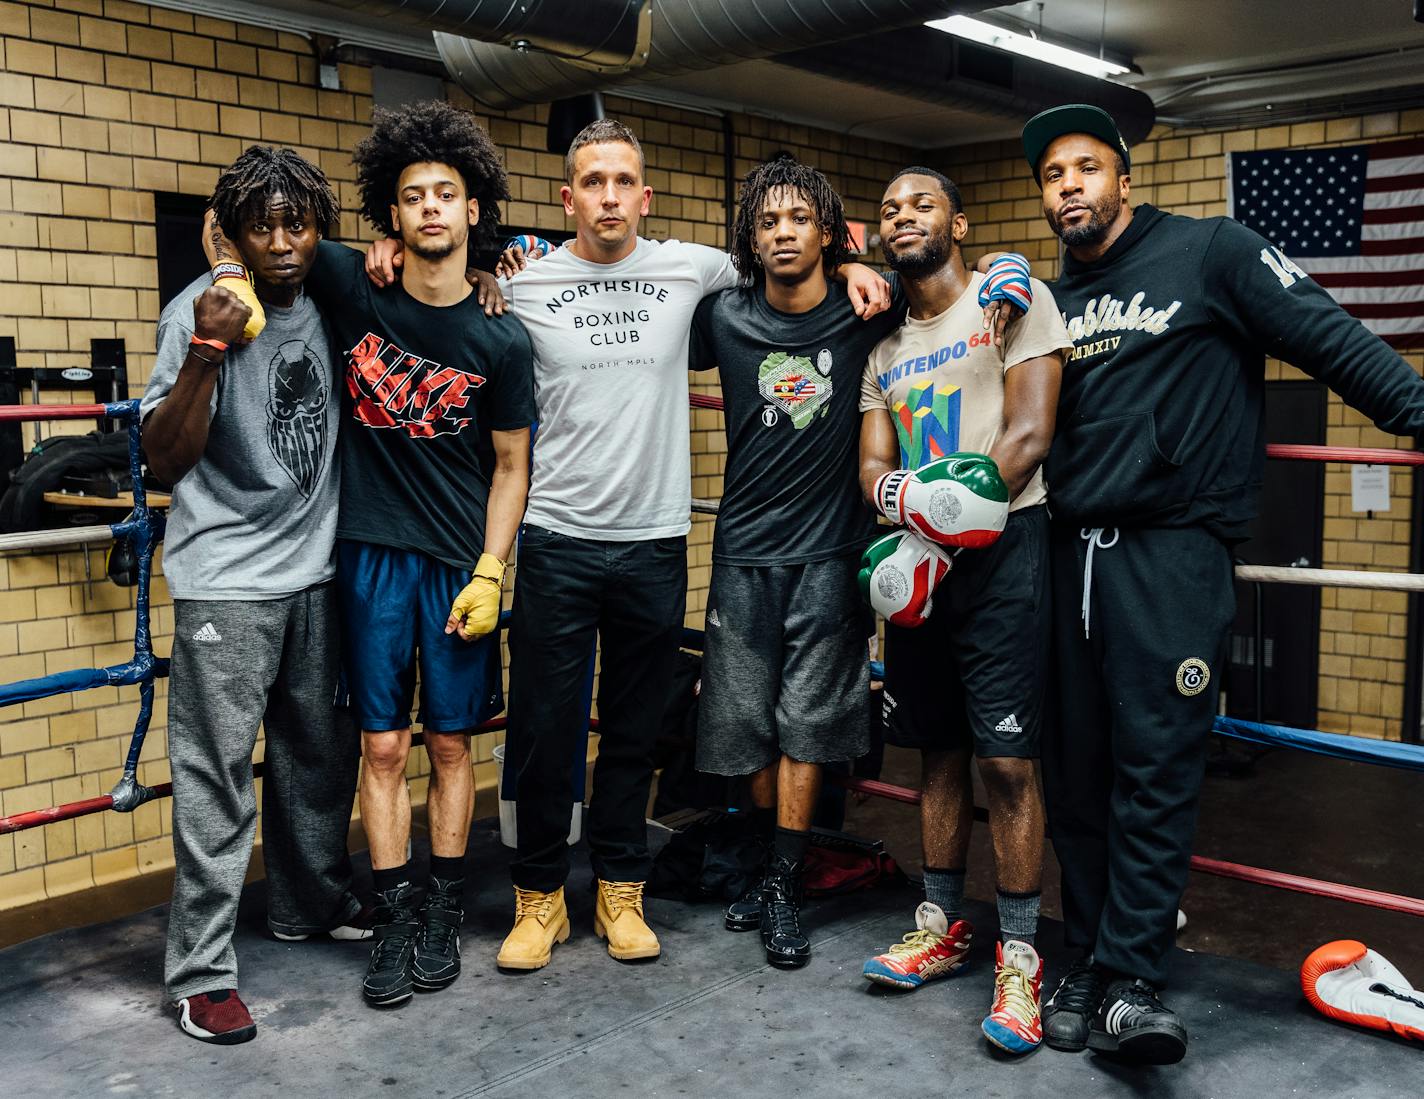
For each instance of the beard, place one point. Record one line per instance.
(1101, 215)
(432, 251)
(438, 250)
(923, 260)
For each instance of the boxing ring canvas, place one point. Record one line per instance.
(83, 1015)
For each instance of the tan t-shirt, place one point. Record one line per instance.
(942, 379)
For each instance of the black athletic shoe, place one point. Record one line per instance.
(1133, 1023)
(744, 913)
(388, 977)
(437, 943)
(1069, 1011)
(781, 935)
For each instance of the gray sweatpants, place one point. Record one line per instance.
(235, 665)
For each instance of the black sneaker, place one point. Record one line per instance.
(1069, 1011)
(437, 944)
(388, 977)
(1133, 1023)
(786, 946)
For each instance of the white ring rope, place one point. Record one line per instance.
(1277, 574)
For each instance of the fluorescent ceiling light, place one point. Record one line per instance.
(975, 30)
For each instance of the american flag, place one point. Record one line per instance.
(1352, 217)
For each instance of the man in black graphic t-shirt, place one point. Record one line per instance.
(437, 403)
(785, 681)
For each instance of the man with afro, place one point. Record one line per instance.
(246, 434)
(435, 451)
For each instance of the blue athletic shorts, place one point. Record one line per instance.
(394, 605)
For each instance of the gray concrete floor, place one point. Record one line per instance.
(81, 1013)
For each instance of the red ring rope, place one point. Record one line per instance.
(1295, 883)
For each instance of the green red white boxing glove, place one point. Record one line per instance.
(899, 574)
(958, 500)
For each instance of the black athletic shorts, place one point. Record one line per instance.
(974, 674)
(784, 667)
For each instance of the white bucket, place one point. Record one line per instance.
(509, 821)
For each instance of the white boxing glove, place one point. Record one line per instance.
(898, 576)
(1346, 980)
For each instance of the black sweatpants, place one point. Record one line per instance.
(631, 596)
(1123, 764)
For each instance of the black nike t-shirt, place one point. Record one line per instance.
(791, 393)
(423, 387)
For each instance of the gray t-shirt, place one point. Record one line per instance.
(612, 454)
(256, 517)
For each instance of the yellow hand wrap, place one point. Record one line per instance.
(226, 275)
(477, 605)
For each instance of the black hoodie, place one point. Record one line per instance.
(1160, 422)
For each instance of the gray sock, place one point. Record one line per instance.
(1018, 916)
(946, 889)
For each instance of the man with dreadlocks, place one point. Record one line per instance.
(784, 675)
(246, 434)
(435, 452)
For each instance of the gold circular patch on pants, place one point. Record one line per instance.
(1192, 676)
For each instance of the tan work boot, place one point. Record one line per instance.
(618, 917)
(540, 921)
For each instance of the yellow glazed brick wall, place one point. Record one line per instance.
(1362, 633)
(103, 103)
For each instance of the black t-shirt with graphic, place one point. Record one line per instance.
(423, 387)
(791, 391)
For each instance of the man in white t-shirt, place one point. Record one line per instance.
(603, 551)
(969, 681)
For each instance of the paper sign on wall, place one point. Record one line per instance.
(1369, 488)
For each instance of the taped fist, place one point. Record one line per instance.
(475, 612)
(957, 500)
(220, 315)
(1348, 981)
(898, 576)
(234, 278)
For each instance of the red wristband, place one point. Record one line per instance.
(216, 344)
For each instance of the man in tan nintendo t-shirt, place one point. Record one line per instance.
(969, 680)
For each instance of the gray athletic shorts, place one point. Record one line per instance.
(783, 667)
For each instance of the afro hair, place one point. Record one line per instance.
(430, 131)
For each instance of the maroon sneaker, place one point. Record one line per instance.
(219, 1017)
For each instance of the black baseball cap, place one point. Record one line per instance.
(1072, 118)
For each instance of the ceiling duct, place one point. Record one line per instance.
(685, 35)
(938, 68)
(603, 34)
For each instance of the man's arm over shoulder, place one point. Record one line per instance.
(702, 348)
(337, 274)
(1038, 332)
(713, 266)
(512, 405)
(1255, 289)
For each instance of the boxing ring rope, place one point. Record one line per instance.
(1384, 753)
(146, 529)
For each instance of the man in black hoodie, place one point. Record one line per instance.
(1152, 476)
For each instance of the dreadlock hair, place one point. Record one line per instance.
(435, 131)
(246, 189)
(951, 192)
(826, 210)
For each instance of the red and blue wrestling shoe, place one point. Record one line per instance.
(933, 949)
(1014, 1023)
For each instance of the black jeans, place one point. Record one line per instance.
(1123, 765)
(632, 596)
